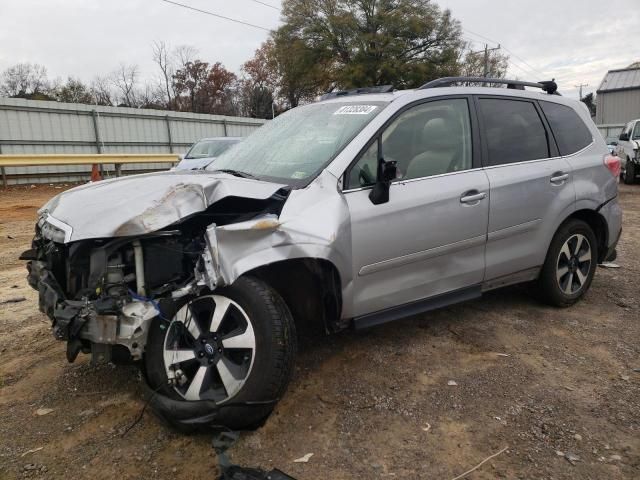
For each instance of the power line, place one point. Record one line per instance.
(266, 4)
(532, 69)
(514, 64)
(486, 57)
(241, 22)
(217, 15)
(526, 71)
(581, 86)
(523, 61)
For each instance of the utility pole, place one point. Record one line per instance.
(580, 87)
(486, 57)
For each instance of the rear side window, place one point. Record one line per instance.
(513, 131)
(570, 131)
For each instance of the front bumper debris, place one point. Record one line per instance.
(103, 322)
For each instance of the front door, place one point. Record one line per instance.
(429, 238)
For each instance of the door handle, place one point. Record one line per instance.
(472, 197)
(559, 177)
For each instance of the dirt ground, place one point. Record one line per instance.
(427, 397)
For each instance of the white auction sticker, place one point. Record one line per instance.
(355, 110)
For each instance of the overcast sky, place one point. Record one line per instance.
(574, 41)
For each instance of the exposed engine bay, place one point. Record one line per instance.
(102, 293)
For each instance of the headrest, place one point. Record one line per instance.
(440, 133)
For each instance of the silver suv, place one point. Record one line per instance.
(356, 210)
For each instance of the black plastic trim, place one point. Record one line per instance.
(419, 306)
(550, 87)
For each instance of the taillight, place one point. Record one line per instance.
(612, 162)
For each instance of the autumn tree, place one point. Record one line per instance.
(188, 82)
(259, 85)
(356, 43)
(202, 88)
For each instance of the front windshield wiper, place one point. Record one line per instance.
(236, 173)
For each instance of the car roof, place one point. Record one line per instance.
(445, 91)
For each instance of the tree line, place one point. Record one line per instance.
(321, 45)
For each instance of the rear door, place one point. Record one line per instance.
(429, 238)
(530, 185)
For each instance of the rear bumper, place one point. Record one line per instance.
(612, 254)
(612, 213)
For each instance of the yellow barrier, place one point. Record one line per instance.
(27, 160)
(117, 159)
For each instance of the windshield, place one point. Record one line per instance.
(298, 143)
(209, 148)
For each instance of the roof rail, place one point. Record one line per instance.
(551, 87)
(358, 91)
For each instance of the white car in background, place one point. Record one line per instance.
(628, 149)
(204, 151)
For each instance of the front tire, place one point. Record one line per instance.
(234, 347)
(570, 264)
(629, 173)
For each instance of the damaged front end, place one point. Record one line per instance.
(101, 294)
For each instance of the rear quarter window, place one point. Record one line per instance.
(570, 132)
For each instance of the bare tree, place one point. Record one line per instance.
(165, 61)
(184, 54)
(125, 79)
(24, 80)
(101, 91)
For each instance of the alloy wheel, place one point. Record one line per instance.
(574, 264)
(209, 349)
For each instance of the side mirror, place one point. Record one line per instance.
(624, 137)
(387, 172)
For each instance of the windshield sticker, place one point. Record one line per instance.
(298, 175)
(355, 110)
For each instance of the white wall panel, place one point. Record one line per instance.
(37, 127)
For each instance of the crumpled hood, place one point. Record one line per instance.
(140, 204)
(194, 163)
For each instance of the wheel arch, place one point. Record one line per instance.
(311, 288)
(598, 224)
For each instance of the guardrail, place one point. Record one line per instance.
(116, 159)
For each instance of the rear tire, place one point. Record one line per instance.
(629, 173)
(570, 265)
(255, 339)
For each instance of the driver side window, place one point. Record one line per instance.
(429, 139)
